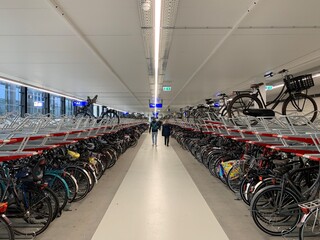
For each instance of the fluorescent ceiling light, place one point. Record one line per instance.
(37, 88)
(316, 75)
(157, 21)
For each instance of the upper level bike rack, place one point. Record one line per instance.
(281, 134)
(26, 137)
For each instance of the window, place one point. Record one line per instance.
(69, 107)
(9, 98)
(55, 106)
(35, 101)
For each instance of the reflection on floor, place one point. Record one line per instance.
(158, 200)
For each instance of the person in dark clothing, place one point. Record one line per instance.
(154, 127)
(166, 131)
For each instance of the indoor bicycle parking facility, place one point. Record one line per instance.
(159, 119)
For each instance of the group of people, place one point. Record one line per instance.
(158, 125)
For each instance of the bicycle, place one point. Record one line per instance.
(6, 231)
(275, 209)
(310, 223)
(294, 101)
(106, 115)
(29, 208)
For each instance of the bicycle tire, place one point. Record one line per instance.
(39, 214)
(312, 105)
(6, 231)
(83, 181)
(59, 186)
(72, 184)
(243, 190)
(311, 225)
(268, 197)
(235, 176)
(108, 113)
(54, 202)
(238, 104)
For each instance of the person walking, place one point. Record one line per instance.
(154, 127)
(166, 131)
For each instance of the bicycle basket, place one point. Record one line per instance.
(299, 83)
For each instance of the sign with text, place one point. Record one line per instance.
(155, 105)
(79, 103)
(38, 104)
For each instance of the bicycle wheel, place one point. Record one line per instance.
(83, 180)
(54, 202)
(58, 185)
(311, 226)
(108, 116)
(72, 184)
(275, 211)
(34, 216)
(6, 231)
(300, 104)
(235, 176)
(242, 102)
(244, 189)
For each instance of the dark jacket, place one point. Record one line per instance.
(154, 126)
(166, 130)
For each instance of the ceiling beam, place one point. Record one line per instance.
(59, 10)
(216, 48)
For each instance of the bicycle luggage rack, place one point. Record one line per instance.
(311, 205)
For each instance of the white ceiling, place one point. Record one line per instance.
(102, 47)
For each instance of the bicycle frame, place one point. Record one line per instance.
(275, 102)
(286, 181)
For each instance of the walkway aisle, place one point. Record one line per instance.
(158, 200)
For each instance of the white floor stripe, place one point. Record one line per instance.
(158, 200)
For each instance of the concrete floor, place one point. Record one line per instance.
(165, 194)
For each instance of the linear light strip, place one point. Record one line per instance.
(37, 88)
(278, 86)
(48, 91)
(157, 21)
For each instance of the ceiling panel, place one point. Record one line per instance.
(244, 58)
(126, 56)
(39, 46)
(209, 13)
(285, 13)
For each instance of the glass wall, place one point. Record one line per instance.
(35, 101)
(21, 100)
(69, 107)
(9, 98)
(55, 106)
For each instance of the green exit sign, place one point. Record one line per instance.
(268, 88)
(167, 89)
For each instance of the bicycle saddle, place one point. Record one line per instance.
(259, 112)
(222, 95)
(201, 106)
(256, 85)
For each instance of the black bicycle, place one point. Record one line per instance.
(106, 116)
(295, 101)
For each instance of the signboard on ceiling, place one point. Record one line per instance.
(166, 88)
(79, 103)
(155, 105)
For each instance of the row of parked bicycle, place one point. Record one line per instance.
(36, 190)
(281, 188)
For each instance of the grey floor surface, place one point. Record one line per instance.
(82, 221)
